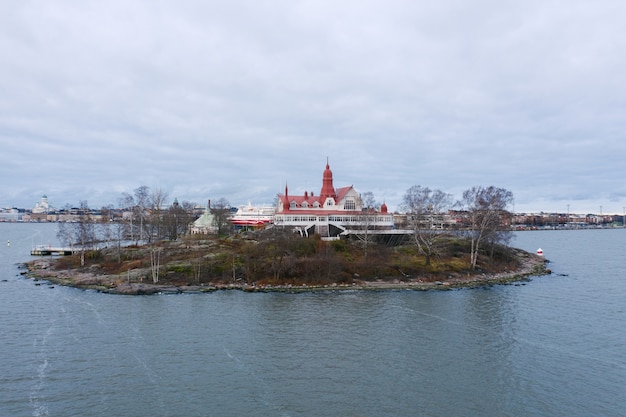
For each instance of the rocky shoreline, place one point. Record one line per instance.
(40, 269)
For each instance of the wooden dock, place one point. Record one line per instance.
(49, 251)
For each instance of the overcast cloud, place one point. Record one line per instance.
(235, 99)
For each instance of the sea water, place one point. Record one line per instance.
(554, 346)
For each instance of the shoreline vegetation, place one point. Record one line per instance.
(262, 263)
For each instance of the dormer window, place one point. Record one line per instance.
(316, 204)
(330, 202)
(292, 205)
(305, 204)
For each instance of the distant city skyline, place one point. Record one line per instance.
(205, 100)
(40, 206)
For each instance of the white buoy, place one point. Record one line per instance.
(540, 252)
(8, 243)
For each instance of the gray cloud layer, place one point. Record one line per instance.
(235, 99)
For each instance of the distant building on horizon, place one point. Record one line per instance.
(10, 215)
(42, 206)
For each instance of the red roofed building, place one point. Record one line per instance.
(329, 213)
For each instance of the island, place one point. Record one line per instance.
(265, 261)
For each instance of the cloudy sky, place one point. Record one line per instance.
(235, 99)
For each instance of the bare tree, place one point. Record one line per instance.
(105, 231)
(141, 200)
(278, 249)
(425, 210)
(65, 235)
(127, 202)
(487, 213)
(118, 232)
(221, 216)
(186, 216)
(85, 232)
(367, 217)
(177, 219)
(155, 263)
(156, 203)
(80, 234)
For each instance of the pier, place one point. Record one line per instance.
(49, 251)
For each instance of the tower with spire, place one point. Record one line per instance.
(328, 190)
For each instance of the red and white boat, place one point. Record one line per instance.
(253, 216)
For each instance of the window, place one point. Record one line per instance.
(293, 204)
(305, 204)
(349, 205)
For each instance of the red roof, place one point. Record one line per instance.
(311, 199)
(327, 191)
